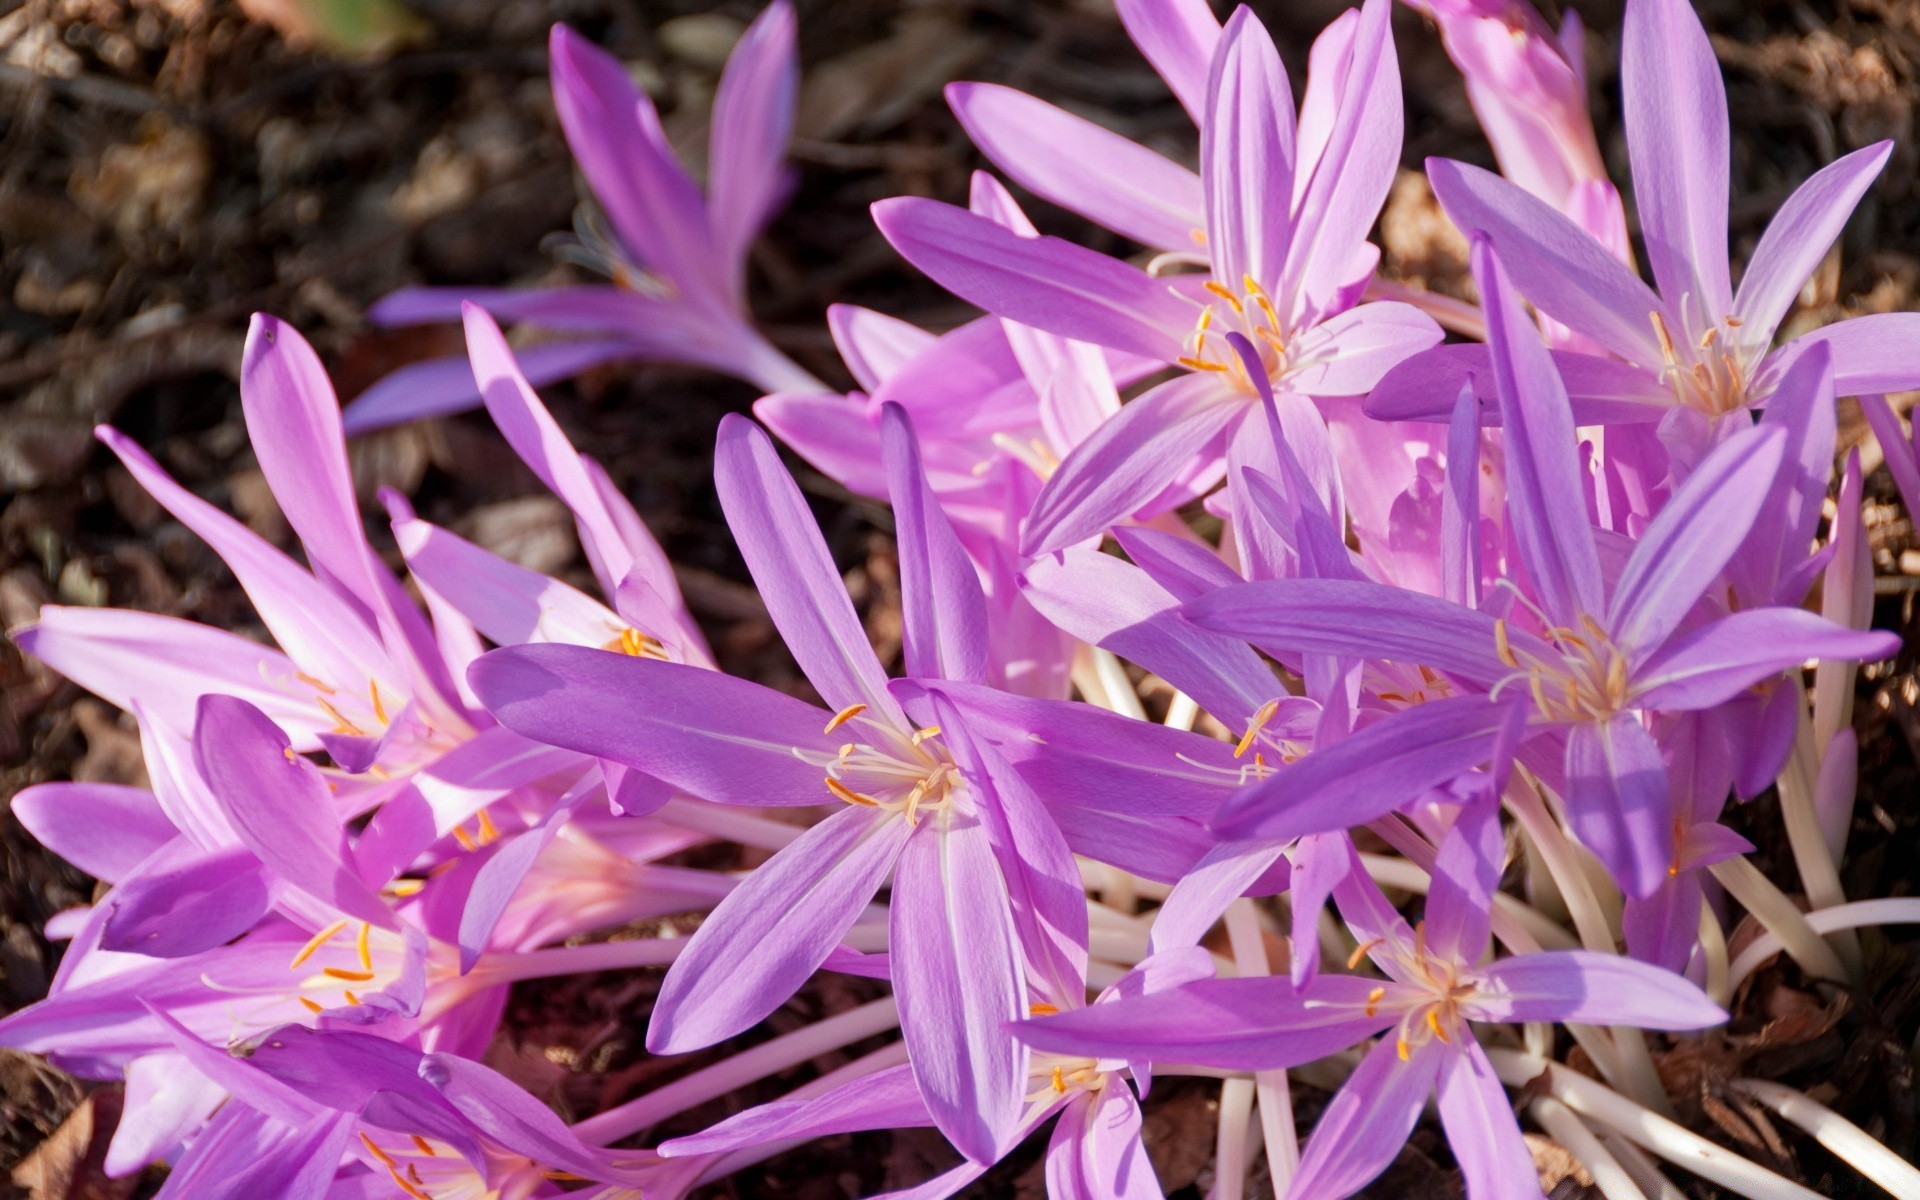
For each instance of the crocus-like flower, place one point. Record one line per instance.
(982, 876)
(1435, 989)
(1287, 214)
(1594, 654)
(1699, 350)
(677, 258)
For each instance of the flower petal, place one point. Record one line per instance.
(747, 177)
(1799, 236)
(1369, 1119)
(1246, 155)
(1716, 663)
(1178, 38)
(943, 611)
(774, 930)
(1481, 1130)
(1590, 988)
(1619, 801)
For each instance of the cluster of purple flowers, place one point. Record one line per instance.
(1495, 630)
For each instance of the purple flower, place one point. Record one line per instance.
(1699, 350)
(1434, 990)
(1594, 654)
(1287, 214)
(677, 258)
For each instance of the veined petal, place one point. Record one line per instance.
(1466, 874)
(1251, 1023)
(716, 737)
(1096, 1152)
(774, 930)
(1800, 235)
(1204, 893)
(958, 972)
(587, 308)
(873, 344)
(1360, 620)
(943, 611)
(1481, 1130)
(1353, 170)
(1369, 1119)
(1246, 155)
(1371, 773)
(832, 432)
(615, 136)
(1348, 354)
(1619, 801)
(163, 665)
(1697, 532)
(1601, 391)
(1590, 988)
(105, 829)
(1676, 116)
(183, 900)
(887, 1099)
(1716, 663)
(1044, 282)
(506, 602)
(1083, 167)
(1109, 603)
(752, 119)
(1557, 265)
(280, 806)
(441, 387)
(1874, 353)
(789, 561)
(1178, 38)
(1130, 459)
(1546, 497)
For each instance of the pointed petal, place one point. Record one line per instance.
(506, 602)
(1619, 803)
(1354, 169)
(1675, 107)
(957, 969)
(1362, 1130)
(1590, 988)
(943, 611)
(774, 930)
(886, 1099)
(1466, 874)
(1481, 1130)
(1546, 496)
(1682, 552)
(1387, 765)
(834, 433)
(752, 119)
(1601, 391)
(1800, 235)
(788, 558)
(104, 829)
(1178, 38)
(1359, 620)
(1716, 663)
(1043, 282)
(280, 806)
(1555, 264)
(183, 900)
(1130, 460)
(1874, 353)
(716, 737)
(1246, 155)
(1204, 893)
(440, 387)
(1350, 353)
(1248, 1023)
(873, 344)
(1097, 1153)
(1081, 166)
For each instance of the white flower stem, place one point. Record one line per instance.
(1230, 1157)
(788, 1050)
(1270, 1087)
(1782, 919)
(1819, 876)
(1713, 948)
(1565, 1127)
(1669, 1140)
(1900, 910)
(1847, 1140)
(729, 824)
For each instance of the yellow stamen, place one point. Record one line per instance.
(374, 1149)
(1502, 646)
(425, 1146)
(360, 944)
(1044, 1010)
(340, 722)
(1433, 1023)
(291, 756)
(379, 709)
(1400, 1046)
(402, 888)
(310, 1005)
(1361, 951)
(464, 838)
(1059, 1080)
(1200, 364)
(315, 684)
(351, 998)
(1261, 716)
(843, 716)
(489, 832)
(1373, 1000)
(349, 976)
(848, 794)
(1221, 291)
(318, 940)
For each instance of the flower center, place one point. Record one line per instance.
(1435, 1013)
(1250, 312)
(1587, 682)
(1051, 1076)
(428, 1169)
(904, 773)
(1708, 373)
